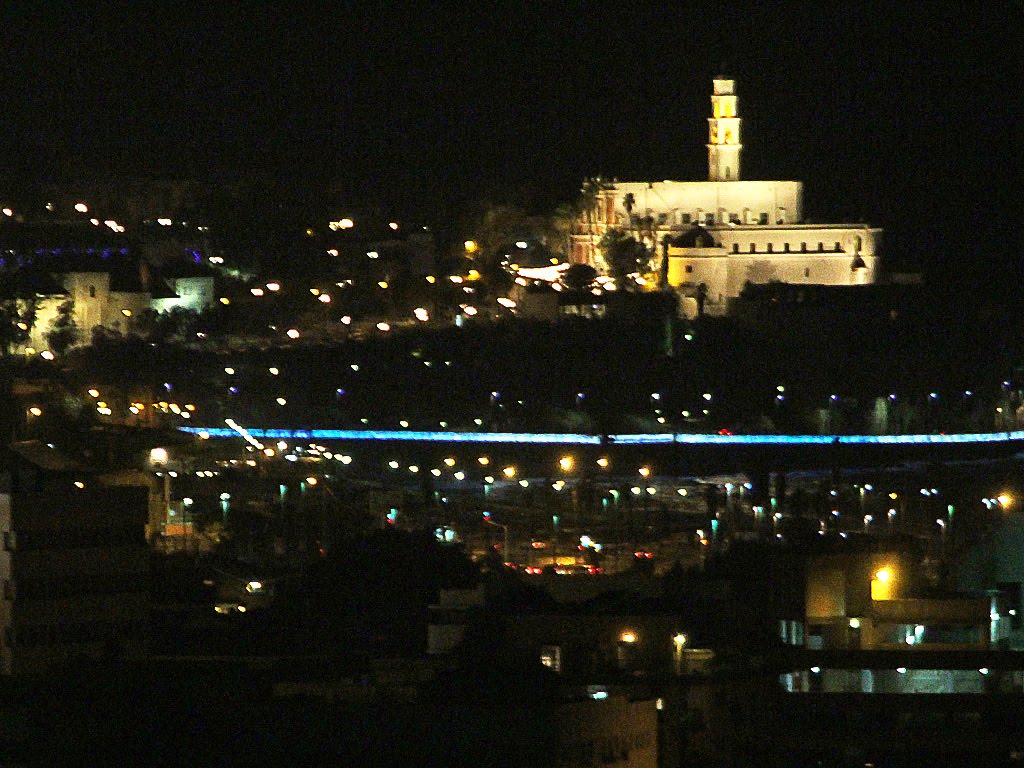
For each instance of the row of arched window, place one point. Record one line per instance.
(770, 248)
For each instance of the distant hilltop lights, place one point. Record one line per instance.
(349, 223)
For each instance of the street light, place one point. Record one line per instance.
(882, 585)
(566, 463)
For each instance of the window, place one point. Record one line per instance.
(839, 246)
(728, 172)
(769, 247)
(689, 268)
(686, 218)
(763, 218)
(551, 657)
(735, 247)
(803, 247)
(821, 247)
(92, 291)
(753, 248)
(807, 271)
(785, 247)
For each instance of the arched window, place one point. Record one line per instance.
(753, 247)
(735, 247)
(92, 291)
(785, 247)
(821, 247)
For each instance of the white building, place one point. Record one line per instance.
(713, 237)
(114, 295)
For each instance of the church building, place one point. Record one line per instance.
(714, 237)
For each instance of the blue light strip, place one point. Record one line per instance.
(570, 438)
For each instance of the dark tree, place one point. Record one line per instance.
(579, 277)
(623, 254)
(63, 331)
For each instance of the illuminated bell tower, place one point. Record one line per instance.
(724, 133)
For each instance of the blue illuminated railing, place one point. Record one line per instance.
(570, 438)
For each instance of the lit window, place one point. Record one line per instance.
(551, 657)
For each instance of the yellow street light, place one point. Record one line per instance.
(628, 636)
(603, 462)
(645, 471)
(883, 584)
(471, 246)
(566, 463)
(1005, 500)
(509, 472)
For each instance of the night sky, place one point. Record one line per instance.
(901, 115)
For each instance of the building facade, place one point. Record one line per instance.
(74, 565)
(711, 238)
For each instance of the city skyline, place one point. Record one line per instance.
(897, 118)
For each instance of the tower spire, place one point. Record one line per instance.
(724, 132)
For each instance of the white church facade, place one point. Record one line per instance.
(713, 237)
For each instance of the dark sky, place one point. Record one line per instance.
(904, 115)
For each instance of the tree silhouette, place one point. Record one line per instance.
(63, 331)
(623, 254)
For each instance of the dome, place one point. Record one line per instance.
(695, 237)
